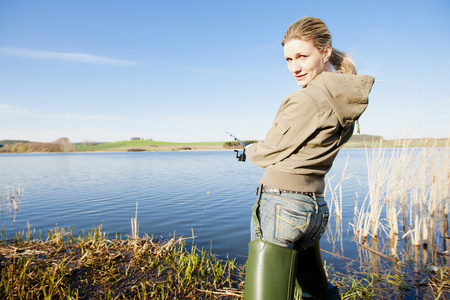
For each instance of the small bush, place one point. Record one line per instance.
(236, 144)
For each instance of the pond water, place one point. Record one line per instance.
(208, 194)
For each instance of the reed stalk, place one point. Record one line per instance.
(135, 225)
(335, 204)
(12, 199)
(377, 168)
(336, 191)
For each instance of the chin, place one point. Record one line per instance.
(303, 82)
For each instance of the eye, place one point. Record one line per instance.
(288, 59)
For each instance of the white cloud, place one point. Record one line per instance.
(14, 110)
(87, 117)
(428, 107)
(11, 110)
(70, 57)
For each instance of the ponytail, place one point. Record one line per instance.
(342, 62)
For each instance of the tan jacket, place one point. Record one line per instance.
(310, 127)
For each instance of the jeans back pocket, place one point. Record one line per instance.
(290, 225)
(322, 228)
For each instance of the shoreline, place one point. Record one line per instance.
(358, 142)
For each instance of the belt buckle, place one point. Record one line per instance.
(273, 190)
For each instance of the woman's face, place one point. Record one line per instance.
(305, 61)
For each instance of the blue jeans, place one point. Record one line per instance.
(293, 221)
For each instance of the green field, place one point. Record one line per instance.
(146, 145)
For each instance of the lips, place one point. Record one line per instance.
(300, 77)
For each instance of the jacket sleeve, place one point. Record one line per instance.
(295, 122)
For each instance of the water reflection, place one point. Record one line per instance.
(11, 197)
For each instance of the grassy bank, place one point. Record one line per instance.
(94, 266)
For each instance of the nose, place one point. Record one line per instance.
(296, 67)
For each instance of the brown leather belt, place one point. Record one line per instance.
(268, 189)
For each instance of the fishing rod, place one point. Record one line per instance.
(239, 156)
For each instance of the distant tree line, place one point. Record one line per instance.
(236, 144)
(60, 145)
(9, 142)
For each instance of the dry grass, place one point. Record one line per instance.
(94, 267)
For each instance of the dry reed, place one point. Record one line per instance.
(335, 205)
(411, 187)
(135, 225)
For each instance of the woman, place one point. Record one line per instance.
(310, 127)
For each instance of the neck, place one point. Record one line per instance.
(327, 67)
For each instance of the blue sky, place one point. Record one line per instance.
(188, 71)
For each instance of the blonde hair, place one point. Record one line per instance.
(315, 29)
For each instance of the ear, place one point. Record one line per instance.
(327, 53)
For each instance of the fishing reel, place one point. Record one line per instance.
(240, 156)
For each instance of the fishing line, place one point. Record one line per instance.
(203, 213)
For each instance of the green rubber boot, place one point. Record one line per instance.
(270, 273)
(311, 279)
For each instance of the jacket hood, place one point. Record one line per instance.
(347, 94)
